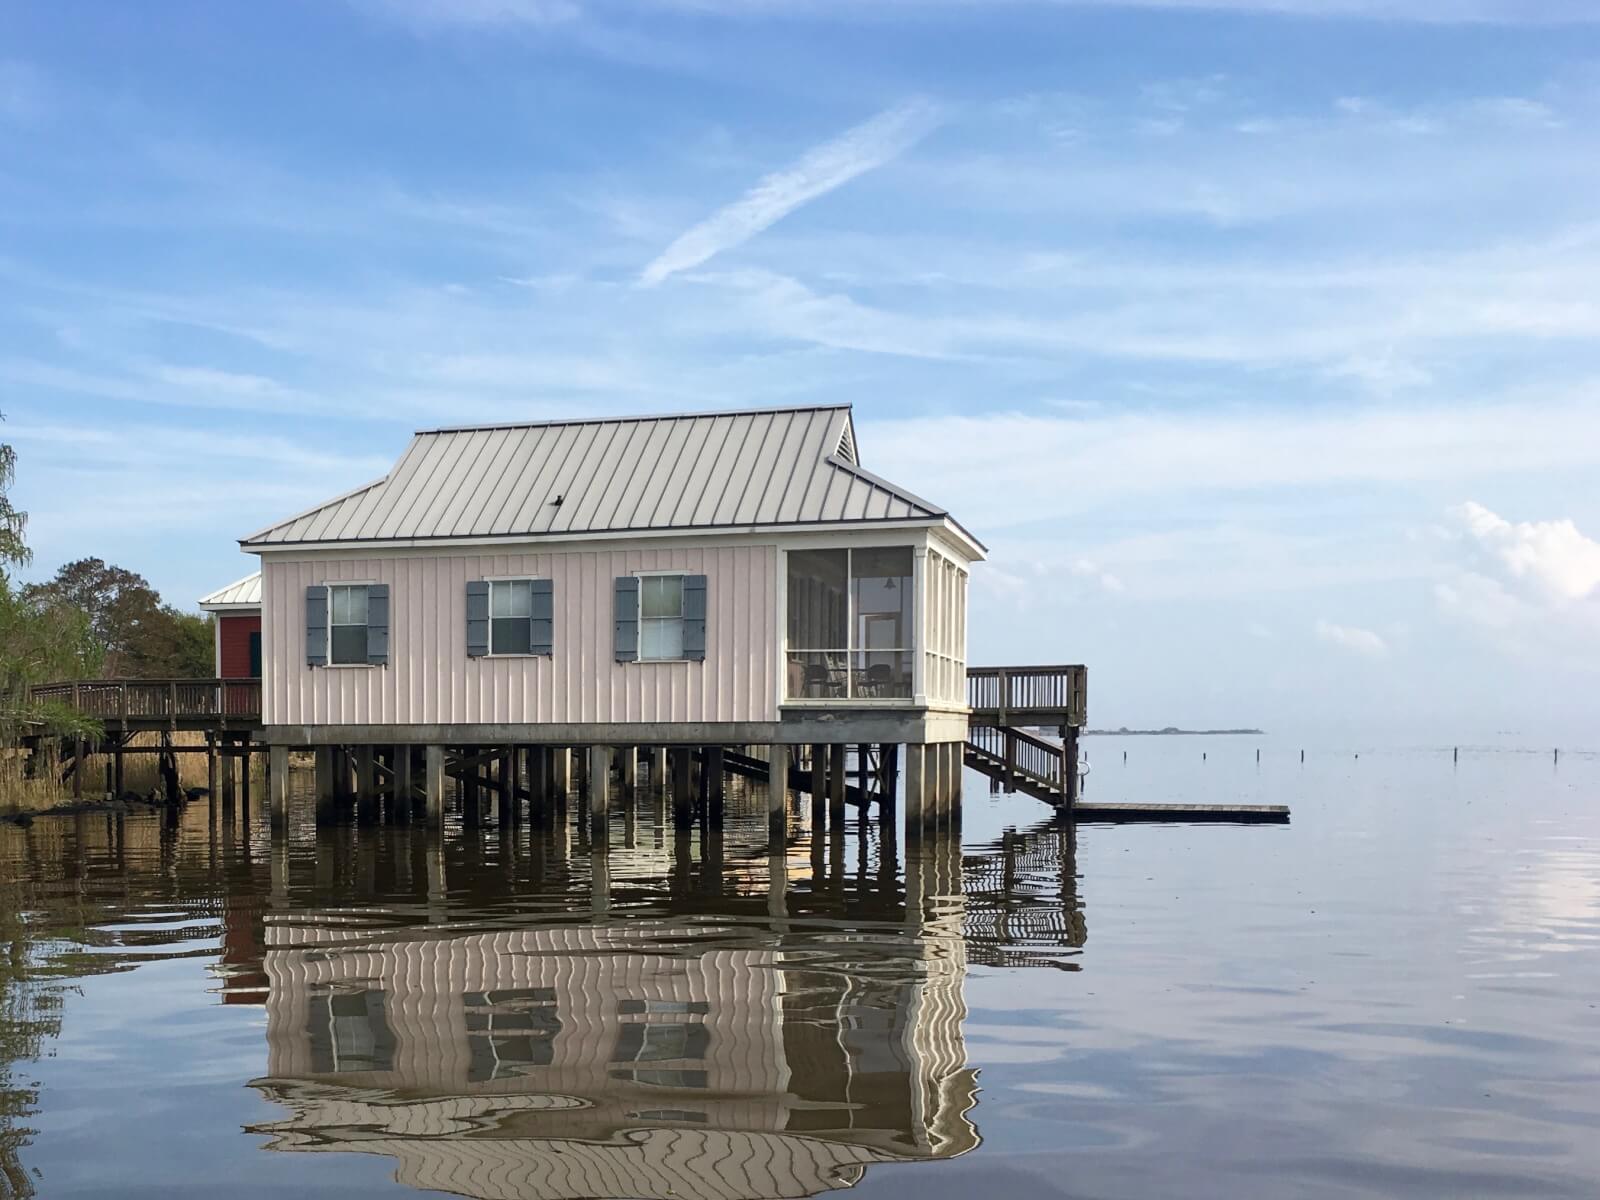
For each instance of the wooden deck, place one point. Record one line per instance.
(152, 705)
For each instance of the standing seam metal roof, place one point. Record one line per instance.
(241, 593)
(790, 466)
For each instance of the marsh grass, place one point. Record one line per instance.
(141, 773)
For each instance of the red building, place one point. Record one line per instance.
(237, 609)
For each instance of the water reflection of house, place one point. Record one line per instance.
(631, 1059)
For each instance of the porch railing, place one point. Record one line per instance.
(1029, 695)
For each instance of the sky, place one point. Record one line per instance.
(1256, 338)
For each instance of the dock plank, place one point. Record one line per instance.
(1254, 814)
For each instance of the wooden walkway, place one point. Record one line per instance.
(155, 705)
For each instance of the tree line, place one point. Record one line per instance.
(91, 620)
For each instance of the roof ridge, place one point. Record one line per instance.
(639, 418)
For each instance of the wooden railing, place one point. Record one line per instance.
(1028, 695)
(1034, 760)
(152, 703)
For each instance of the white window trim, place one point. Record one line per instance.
(680, 572)
(528, 578)
(916, 699)
(330, 584)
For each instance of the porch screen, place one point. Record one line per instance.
(851, 624)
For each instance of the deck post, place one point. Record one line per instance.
(244, 779)
(1069, 766)
(404, 794)
(229, 767)
(433, 785)
(471, 793)
(599, 794)
(506, 786)
(366, 787)
(538, 783)
(837, 755)
(561, 762)
(682, 787)
(954, 751)
(819, 788)
(777, 794)
(888, 779)
(715, 783)
(211, 772)
(629, 756)
(916, 790)
(278, 783)
(660, 775)
(326, 794)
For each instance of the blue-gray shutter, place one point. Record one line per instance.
(694, 616)
(543, 640)
(378, 624)
(625, 610)
(317, 626)
(477, 618)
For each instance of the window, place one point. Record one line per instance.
(851, 623)
(347, 619)
(660, 617)
(511, 616)
(509, 1032)
(349, 1031)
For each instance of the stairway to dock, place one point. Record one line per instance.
(1006, 699)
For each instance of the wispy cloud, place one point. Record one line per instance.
(1353, 638)
(821, 170)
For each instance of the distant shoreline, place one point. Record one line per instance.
(1169, 731)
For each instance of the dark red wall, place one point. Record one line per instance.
(236, 631)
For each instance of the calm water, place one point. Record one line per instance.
(1394, 996)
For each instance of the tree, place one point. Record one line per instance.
(39, 642)
(141, 636)
(13, 524)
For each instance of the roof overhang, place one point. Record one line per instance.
(949, 527)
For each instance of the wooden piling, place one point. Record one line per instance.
(777, 794)
(682, 793)
(837, 782)
(278, 784)
(599, 794)
(433, 785)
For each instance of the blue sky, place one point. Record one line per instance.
(1258, 339)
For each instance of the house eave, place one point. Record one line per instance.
(608, 535)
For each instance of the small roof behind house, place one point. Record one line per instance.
(242, 593)
(717, 470)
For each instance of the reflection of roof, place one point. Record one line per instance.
(451, 1146)
(717, 470)
(241, 593)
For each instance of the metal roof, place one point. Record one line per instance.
(755, 467)
(242, 593)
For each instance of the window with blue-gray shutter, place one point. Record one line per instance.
(477, 618)
(378, 625)
(694, 616)
(544, 617)
(625, 613)
(317, 626)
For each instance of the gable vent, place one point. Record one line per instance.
(847, 445)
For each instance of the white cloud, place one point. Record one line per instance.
(1076, 463)
(1550, 558)
(486, 13)
(1353, 638)
(819, 171)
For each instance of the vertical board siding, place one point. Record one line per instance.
(430, 679)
